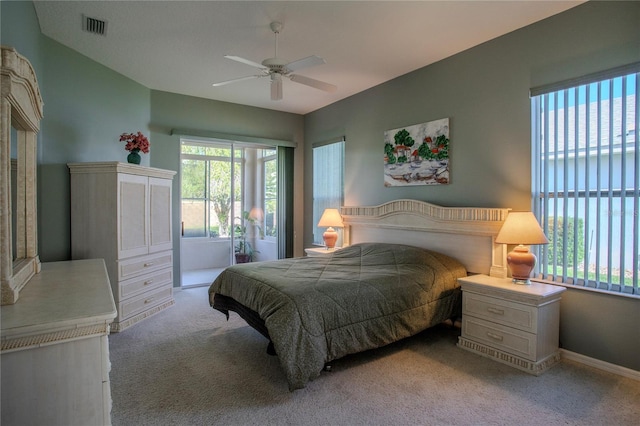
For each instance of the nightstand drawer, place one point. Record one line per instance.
(509, 340)
(511, 314)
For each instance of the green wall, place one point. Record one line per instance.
(87, 107)
(484, 91)
(19, 28)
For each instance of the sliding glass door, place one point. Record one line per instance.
(210, 182)
(229, 206)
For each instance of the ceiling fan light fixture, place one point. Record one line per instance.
(276, 87)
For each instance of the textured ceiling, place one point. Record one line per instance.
(179, 46)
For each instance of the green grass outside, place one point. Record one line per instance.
(591, 276)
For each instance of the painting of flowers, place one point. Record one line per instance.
(417, 155)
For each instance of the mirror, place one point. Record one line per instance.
(13, 154)
(20, 112)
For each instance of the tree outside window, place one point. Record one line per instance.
(270, 192)
(207, 189)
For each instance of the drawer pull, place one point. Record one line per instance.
(149, 300)
(148, 282)
(496, 311)
(146, 265)
(495, 336)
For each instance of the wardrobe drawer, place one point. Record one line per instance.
(137, 285)
(135, 266)
(516, 342)
(143, 302)
(512, 314)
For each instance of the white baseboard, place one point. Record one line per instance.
(601, 365)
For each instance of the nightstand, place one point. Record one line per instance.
(517, 325)
(320, 251)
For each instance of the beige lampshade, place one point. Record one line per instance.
(521, 228)
(330, 218)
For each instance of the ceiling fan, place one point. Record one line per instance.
(275, 68)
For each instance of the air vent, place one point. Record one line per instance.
(94, 25)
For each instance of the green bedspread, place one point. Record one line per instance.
(318, 309)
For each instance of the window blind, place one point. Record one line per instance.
(328, 183)
(587, 182)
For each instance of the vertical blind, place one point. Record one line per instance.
(328, 183)
(587, 180)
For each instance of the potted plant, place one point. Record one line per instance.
(243, 249)
(136, 142)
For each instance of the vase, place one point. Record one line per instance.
(134, 157)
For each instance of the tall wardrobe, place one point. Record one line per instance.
(121, 212)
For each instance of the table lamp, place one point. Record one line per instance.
(329, 219)
(523, 229)
(256, 214)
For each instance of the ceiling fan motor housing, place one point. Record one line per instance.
(276, 64)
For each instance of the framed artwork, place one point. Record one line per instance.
(417, 155)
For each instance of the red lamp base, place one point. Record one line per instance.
(521, 262)
(330, 238)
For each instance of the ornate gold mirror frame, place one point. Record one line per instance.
(21, 110)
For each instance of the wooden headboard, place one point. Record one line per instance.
(465, 233)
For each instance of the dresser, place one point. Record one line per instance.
(121, 213)
(55, 349)
(517, 325)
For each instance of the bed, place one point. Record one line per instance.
(397, 276)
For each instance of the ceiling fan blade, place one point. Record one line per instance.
(309, 61)
(313, 83)
(246, 61)
(276, 87)
(235, 80)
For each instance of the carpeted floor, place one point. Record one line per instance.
(189, 366)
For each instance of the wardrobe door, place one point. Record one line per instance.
(133, 224)
(160, 237)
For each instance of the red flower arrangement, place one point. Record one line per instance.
(135, 142)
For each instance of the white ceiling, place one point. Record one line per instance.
(179, 46)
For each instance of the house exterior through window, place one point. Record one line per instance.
(587, 180)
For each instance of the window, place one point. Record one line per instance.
(207, 187)
(587, 180)
(328, 183)
(270, 191)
